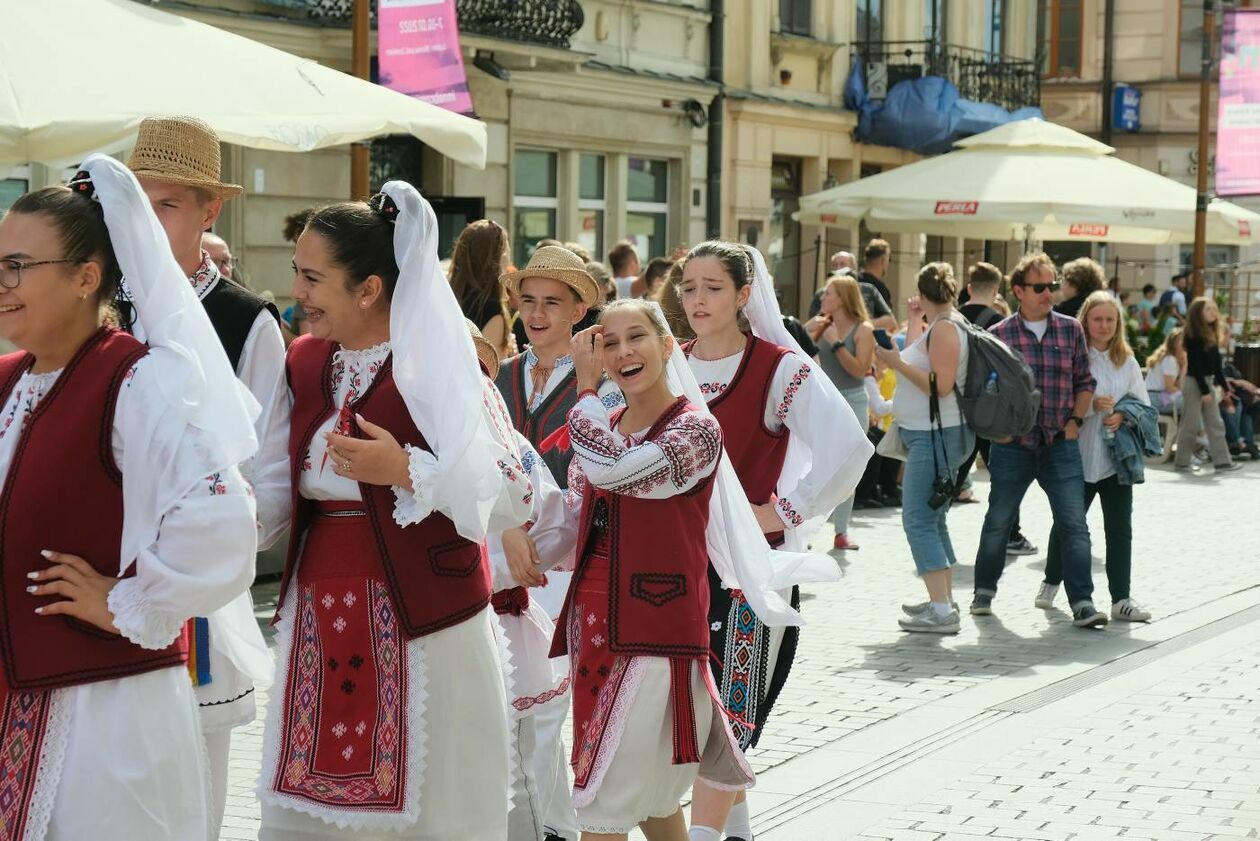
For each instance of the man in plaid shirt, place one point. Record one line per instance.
(1054, 347)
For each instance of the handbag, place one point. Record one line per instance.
(891, 446)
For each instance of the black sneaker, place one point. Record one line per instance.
(1020, 546)
(1086, 616)
(1229, 468)
(981, 605)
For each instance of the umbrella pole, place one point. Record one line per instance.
(1205, 100)
(360, 152)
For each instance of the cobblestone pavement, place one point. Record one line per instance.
(857, 678)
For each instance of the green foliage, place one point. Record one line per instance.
(1144, 344)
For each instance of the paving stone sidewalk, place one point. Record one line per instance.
(1195, 541)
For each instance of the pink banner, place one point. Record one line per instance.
(1238, 117)
(418, 52)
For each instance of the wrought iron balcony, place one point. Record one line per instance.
(1010, 82)
(551, 22)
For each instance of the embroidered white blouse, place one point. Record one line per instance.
(1115, 382)
(352, 373)
(795, 402)
(102, 764)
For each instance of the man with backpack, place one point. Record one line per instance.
(1173, 301)
(1054, 347)
(983, 283)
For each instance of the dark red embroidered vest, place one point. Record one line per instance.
(64, 492)
(756, 453)
(658, 561)
(435, 576)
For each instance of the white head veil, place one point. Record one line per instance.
(737, 546)
(437, 373)
(187, 361)
(849, 432)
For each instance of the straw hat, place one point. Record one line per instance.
(486, 354)
(180, 150)
(557, 263)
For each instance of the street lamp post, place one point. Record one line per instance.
(361, 65)
(1205, 104)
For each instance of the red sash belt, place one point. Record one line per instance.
(513, 602)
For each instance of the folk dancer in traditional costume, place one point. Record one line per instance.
(390, 720)
(769, 398)
(538, 682)
(176, 160)
(658, 502)
(144, 522)
(555, 292)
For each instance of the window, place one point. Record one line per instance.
(10, 190)
(994, 17)
(1059, 37)
(1190, 46)
(535, 201)
(647, 206)
(591, 204)
(870, 21)
(794, 16)
(935, 21)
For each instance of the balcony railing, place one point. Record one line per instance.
(550, 22)
(1010, 82)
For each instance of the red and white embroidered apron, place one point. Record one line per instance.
(343, 739)
(598, 674)
(23, 728)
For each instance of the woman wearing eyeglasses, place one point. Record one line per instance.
(144, 522)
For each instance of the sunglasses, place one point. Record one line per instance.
(1039, 288)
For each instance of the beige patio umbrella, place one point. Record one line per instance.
(1029, 179)
(78, 76)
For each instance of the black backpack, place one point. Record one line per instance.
(1000, 399)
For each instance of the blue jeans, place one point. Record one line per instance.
(924, 526)
(859, 403)
(1057, 468)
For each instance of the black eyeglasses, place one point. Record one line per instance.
(11, 270)
(1038, 288)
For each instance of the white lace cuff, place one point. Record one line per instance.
(412, 506)
(136, 621)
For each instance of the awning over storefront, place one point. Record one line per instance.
(1029, 179)
(79, 76)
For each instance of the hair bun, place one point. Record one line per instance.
(384, 207)
(82, 184)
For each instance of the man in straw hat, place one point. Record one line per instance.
(555, 291)
(176, 161)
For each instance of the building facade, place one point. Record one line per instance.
(789, 133)
(1154, 56)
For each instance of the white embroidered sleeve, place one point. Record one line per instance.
(430, 492)
(261, 369)
(811, 408)
(552, 529)
(685, 453)
(203, 554)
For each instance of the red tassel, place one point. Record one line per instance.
(556, 440)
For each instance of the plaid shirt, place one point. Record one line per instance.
(1060, 366)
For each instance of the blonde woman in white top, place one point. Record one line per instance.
(932, 455)
(1118, 375)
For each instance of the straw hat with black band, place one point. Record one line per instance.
(181, 150)
(557, 263)
(486, 354)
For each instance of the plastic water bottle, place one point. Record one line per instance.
(991, 384)
(1108, 432)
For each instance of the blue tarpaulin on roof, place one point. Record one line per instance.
(924, 115)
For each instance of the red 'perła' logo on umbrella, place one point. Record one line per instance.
(1244, 228)
(1086, 229)
(957, 208)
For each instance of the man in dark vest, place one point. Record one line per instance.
(176, 160)
(539, 387)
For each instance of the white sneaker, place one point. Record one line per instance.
(1045, 595)
(1127, 610)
